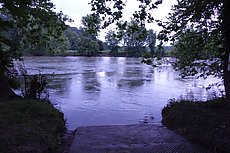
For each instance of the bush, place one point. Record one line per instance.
(204, 123)
(30, 126)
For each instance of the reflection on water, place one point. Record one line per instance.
(111, 90)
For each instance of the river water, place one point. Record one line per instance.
(112, 90)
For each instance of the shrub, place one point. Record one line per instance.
(204, 123)
(30, 126)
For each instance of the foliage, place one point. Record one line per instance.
(147, 58)
(38, 38)
(207, 21)
(112, 41)
(12, 76)
(198, 53)
(204, 16)
(151, 41)
(111, 11)
(82, 41)
(34, 86)
(160, 52)
(134, 37)
(195, 29)
(31, 26)
(87, 46)
(26, 23)
(204, 123)
(30, 126)
(72, 35)
(87, 42)
(58, 46)
(91, 25)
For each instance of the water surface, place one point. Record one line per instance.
(112, 90)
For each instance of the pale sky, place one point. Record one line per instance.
(76, 9)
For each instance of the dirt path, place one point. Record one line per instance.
(141, 138)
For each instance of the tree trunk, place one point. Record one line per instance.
(226, 34)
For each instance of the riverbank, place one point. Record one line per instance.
(204, 123)
(30, 126)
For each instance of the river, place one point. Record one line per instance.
(112, 90)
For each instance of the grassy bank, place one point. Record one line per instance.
(204, 123)
(30, 126)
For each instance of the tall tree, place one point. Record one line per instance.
(206, 18)
(112, 41)
(111, 11)
(88, 44)
(134, 36)
(14, 16)
(38, 37)
(198, 54)
(91, 25)
(72, 34)
(151, 41)
(201, 28)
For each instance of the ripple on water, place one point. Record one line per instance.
(112, 90)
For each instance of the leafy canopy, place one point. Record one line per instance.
(195, 28)
(88, 44)
(91, 24)
(111, 11)
(28, 22)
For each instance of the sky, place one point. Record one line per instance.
(76, 9)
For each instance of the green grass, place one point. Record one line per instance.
(204, 123)
(30, 126)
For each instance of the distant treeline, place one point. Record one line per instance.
(130, 40)
(78, 43)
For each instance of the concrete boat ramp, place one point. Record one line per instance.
(140, 138)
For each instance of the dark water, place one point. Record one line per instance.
(110, 90)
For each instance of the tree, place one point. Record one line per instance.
(202, 29)
(160, 52)
(133, 33)
(206, 18)
(36, 38)
(87, 46)
(134, 36)
(111, 11)
(151, 41)
(112, 41)
(15, 15)
(58, 45)
(91, 24)
(72, 35)
(87, 42)
(197, 54)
